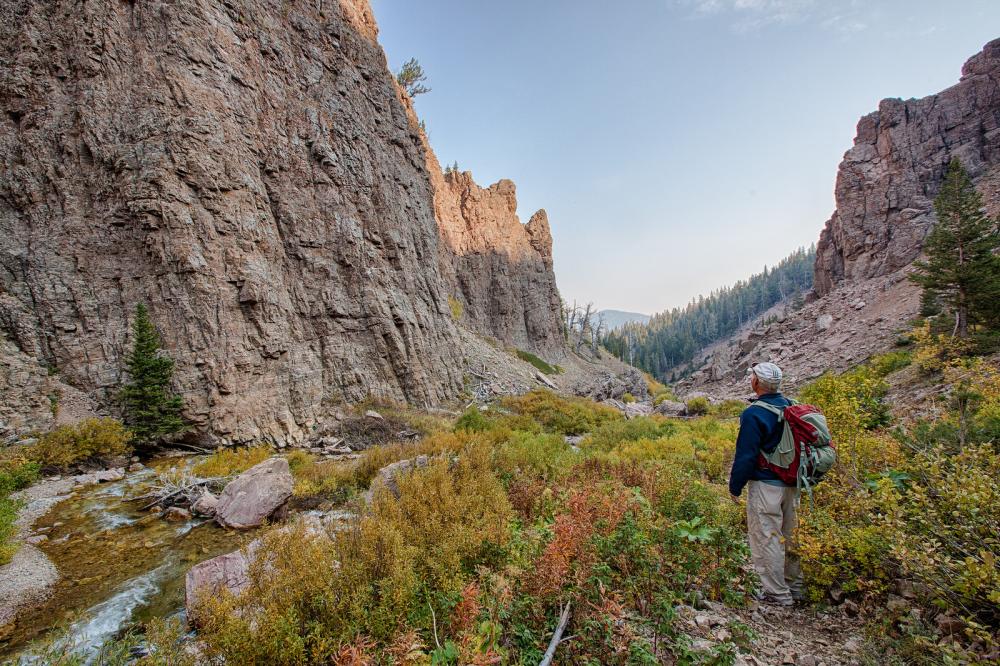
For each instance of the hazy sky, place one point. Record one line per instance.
(677, 145)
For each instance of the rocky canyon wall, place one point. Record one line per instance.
(247, 170)
(888, 180)
(498, 269)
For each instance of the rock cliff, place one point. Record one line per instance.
(885, 193)
(888, 180)
(498, 269)
(248, 170)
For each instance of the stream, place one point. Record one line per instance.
(118, 564)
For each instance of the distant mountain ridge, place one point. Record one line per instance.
(615, 319)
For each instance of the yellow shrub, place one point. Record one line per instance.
(934, 351)
(86, 440)
(229, 462)
(310, 596)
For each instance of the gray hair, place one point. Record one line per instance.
(768, 385)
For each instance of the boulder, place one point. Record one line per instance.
(823, 322)
(671, 408)
(206, 505)
(389, 475)
(372, 414)
(256, 494)
(634, 409)
(227, 571)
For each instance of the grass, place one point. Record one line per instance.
(230, 462)
(537, 362)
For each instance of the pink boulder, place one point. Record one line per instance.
(255, 495)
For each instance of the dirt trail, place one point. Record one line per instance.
(801, 636)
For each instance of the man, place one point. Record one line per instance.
(771, 504)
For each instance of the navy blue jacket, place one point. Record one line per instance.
(759, 430)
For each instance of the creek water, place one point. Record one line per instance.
(118, 564)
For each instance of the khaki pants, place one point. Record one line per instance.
(771, 525)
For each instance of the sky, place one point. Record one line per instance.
(677, 145)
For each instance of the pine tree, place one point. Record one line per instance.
(411, 77)
(961, 271)
(152, 410)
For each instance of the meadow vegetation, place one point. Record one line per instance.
(474, 559)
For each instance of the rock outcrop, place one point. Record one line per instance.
(249, 172)
(887, 182)
(255, 495)
(497, 268)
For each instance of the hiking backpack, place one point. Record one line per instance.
(805, 452)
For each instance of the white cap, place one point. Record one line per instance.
(768, 372)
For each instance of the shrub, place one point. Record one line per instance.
(472, 420)
(230, 462)
(728, 409)
(88, 440)
(698, 405)
(408, 555)
(567, 416)
(660, 398)
(851, 402)
(628, 398)
(884, 365)
(613, 433)
(15, 474)
(934, 350)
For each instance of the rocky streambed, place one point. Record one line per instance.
(116, 563)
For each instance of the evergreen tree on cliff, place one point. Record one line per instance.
(151, 408)
(961, 271)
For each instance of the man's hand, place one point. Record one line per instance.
(734, 498)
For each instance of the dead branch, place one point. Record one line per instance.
(556, 637)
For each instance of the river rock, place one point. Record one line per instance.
(253, 496)
(227, 571)
(206, 505)
(388, 476)
(25, 581)
(177, 514)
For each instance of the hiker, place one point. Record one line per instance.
(771, 503)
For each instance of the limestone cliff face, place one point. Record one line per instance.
(499, 269)
(249, 171)
(887, 182)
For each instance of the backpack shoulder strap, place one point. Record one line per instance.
(774, 409)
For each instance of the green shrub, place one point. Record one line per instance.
(660, 398)
(884, 365)
(614, 433)
(728, 408)
(698, 405)
(88, 440)
(472, 420)
(628, 398)
(537, 362)
(568, 416)
(15, 474)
